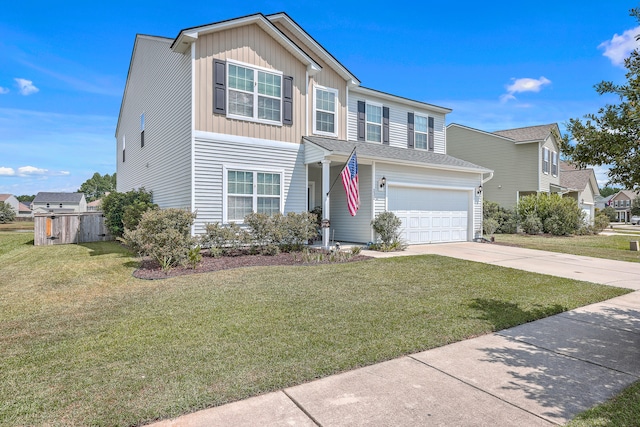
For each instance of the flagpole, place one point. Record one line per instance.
(345, 165)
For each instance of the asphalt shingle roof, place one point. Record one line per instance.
(45, 197)
(530, 133)
(386, 152)
(575, 179)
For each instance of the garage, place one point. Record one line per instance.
(430, 215)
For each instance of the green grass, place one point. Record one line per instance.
(82, 342)
(620, 411)
(609, 247)
(17, 225)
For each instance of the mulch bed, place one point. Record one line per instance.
(150, 270)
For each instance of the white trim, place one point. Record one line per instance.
(254, 170)
(398, 99)
(366, 120)
(416, 114)
(245, 140)
(193, 138)
(335, 111)
(256, 95)
(311, 190)
(427, 186)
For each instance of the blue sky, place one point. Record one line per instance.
(498, 65)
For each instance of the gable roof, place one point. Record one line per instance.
(23, 208)
(400, 99)
(189, 35)
(381, 152)
(47, 197)
(630, 194)
(529, 133)
(4, 197)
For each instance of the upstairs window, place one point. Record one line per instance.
(254, 94)
(374, 123)
(325, 108)
(554, 163)
(124, 146)
(420, 132)
(142, 130)
(545, 160)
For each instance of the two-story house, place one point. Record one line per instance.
(254, 115)
(622, 202)
(524, 160)
(46, 202)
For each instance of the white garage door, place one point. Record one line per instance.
(430, 216)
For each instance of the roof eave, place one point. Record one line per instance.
(400, 99)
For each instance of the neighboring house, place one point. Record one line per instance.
(11, 200)
(622, 202)
(602, 202)
(524, 160)
(24, 210)
(96, 205)
(581, 185)
(253, 114)
(46, 202)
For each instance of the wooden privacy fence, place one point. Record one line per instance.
(65, 228)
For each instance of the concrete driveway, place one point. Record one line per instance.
(595, 270)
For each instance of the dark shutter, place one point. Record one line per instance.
(430, 134)
(410, 130)
(123, 158)
(219, 87)
(362, 112)
(385, 125)
(287, 100)
(142, 139)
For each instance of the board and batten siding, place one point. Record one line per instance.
(159, 85)
(398, 130)
(326, 78)
(430, 178)
(515, 166)
(213, 152)
(250, 45)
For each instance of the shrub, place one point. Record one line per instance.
(532, 224)
(387, 226)
(600, 222)
(489, 226)
(165, 235)
(223, 239)
(558, 215)
(124, 210)
(194, 256)
(7, 214)
(290, 232)
(506, 219)
(610, 212)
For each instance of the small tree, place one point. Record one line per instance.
(610, 212)
(115, 211)
(7, 214)
(387, 226)
(635, 206)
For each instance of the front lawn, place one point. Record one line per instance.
(622, 410)
(609, 247)
(82, 342)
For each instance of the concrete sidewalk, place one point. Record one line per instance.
(539, 374)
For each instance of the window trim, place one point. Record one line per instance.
(124, 147)
(554, 163)
(255, 170)
(546, 162)
(416, 132)
(254, 118)
(315, 110)
(367, 122)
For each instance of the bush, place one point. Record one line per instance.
(558, 215)
(387, 226)
(223, 239)
(489, 226)
(610, 212)
(7, 214)
(124, 210)
(506, 219)
(289, 232)
(165, 235)
(600, 222)
(532, 224)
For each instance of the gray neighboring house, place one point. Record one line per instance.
(621, 202)
(11, 200)
(49, 202)
(581, 185)
(524, 160)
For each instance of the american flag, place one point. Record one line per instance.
(350, 181)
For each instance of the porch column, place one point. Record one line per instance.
(326, 183)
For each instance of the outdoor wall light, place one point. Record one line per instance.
(382, 183)
(479, 190)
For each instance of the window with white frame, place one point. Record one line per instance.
(254, 93)
(142, 130)
(374, 123)
(325, 111)
(252, 191)
(545, 160)
(420, 132)
(554, 163)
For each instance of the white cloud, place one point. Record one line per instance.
(3, 90)
(619, 47)
(7, 171)
(525, 84)
(26, 87)
(31, 170)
